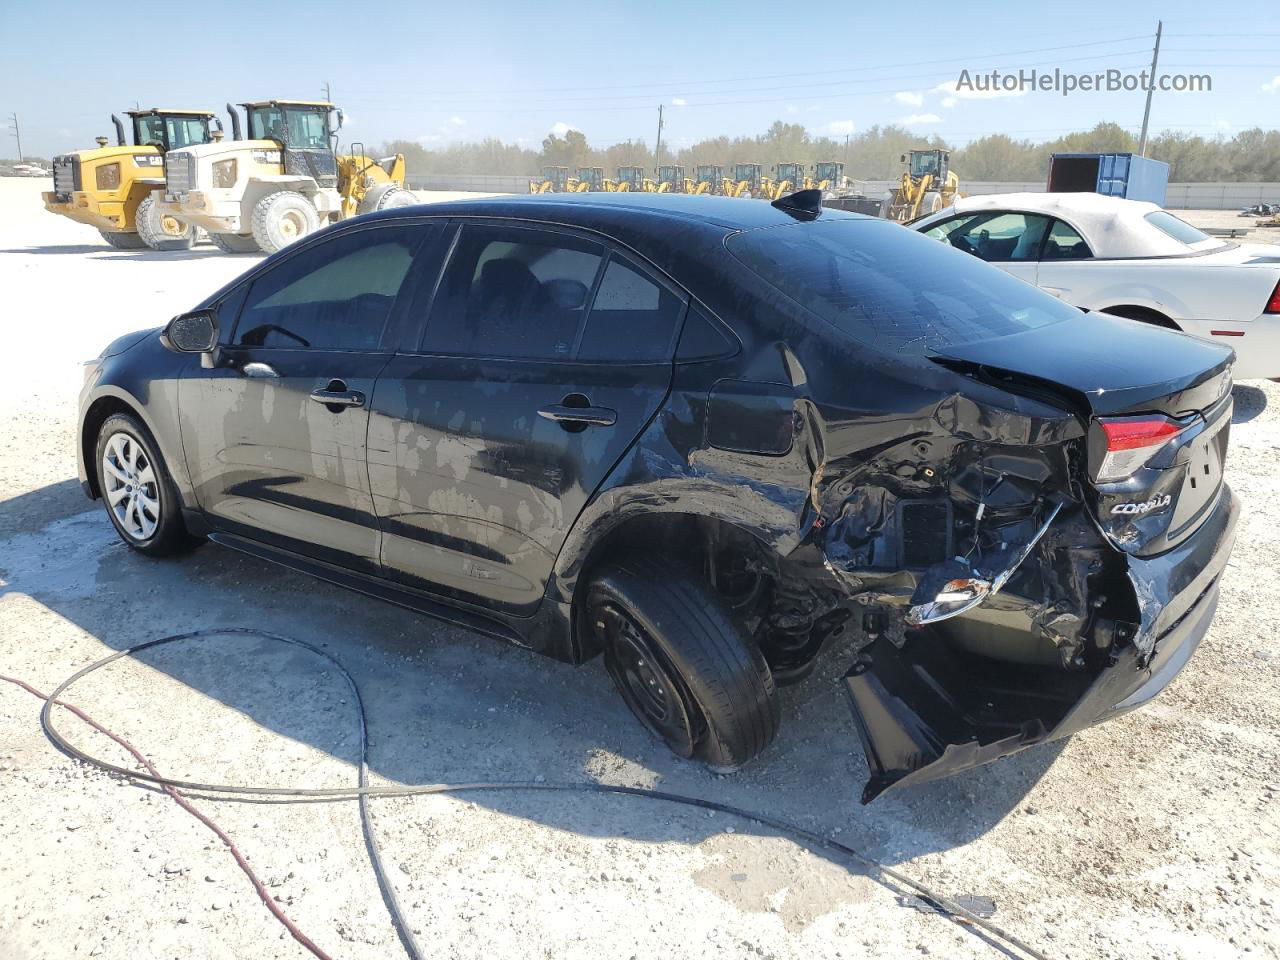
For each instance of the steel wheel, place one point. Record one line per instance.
(292, 225)
(131, 487)
(648, 686)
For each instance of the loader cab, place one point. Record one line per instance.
(790, 172)
(558, 177)
(172, 129)
(631, 179)
(591, 179)
(750, 173)
(708, 173)
(672, 177)
(829, 170)
(924, 163)
(305, 130)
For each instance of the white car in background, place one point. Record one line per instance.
(1131, 259)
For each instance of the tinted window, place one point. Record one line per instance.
(632, 317)
(892, 287)
(336, 295)
(1180, 230)
(1064, 243)
(513, 292)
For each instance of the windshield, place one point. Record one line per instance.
(892, 288)
(923, 163)
(300, 128)
(170, 133)
(1180, 230)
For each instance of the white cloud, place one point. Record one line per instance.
(949, 102)
(910, 98)
(952, 91)
(560, 128)
(841, 128)
(679, 102)
(1272, 85)
(429, 138)
(457, 121)
(919, 118)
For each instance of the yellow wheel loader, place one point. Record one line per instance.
(748, 181)
(588, 180)
(671, 179)
(115, 189)
(284, 181)
(630, 180)
(789, 178)
(928, 185)
(553, 180)
(707, 179)
(828, 176)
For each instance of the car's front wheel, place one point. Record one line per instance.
(136, 488)
(682, 663)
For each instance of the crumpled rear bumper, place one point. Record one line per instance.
(920, 719)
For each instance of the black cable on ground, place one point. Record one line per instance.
(989, 931)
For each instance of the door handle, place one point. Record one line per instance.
(337, 395)
(589, 416)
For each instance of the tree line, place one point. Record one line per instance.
(873, 154)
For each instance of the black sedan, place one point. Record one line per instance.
(708, 438)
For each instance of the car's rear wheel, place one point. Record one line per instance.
(682, 663)
(137, 489)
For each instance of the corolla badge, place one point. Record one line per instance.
(1158, 502)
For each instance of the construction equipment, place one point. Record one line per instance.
(789, 177)
(828, 176)
(707, 178)
(588, 180)
(115, 189)
(283, 182)
(630, 180)
(747, 181)
(671, 179)
(928, 184)
(553, 180)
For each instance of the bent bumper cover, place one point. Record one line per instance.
(917, 724)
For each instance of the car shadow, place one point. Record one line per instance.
(447, 704)
(104, 252)
(1249, 402)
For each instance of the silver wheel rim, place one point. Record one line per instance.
(131, 487)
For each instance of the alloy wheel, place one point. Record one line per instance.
(131, 486)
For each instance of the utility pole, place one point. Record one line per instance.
(657, 150)
(846, 150)
(328, 97)
(1146, 114)
(13, 118)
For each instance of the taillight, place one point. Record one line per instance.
(1273, 305)
(1131, 442)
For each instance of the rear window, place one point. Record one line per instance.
(893, 288)
(1180, 230)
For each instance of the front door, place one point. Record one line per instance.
(275, 435)
(1005, 239)
(544, 356)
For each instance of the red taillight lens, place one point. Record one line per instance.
(1131, 442)
(1273, 305)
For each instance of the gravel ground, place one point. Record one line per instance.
(1156, 835)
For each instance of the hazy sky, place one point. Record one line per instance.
(441, 72)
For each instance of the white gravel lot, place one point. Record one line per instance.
(1156, 835)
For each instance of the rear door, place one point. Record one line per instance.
(543, 354)
(275, 435)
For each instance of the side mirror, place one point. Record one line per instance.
(340, 119)
(195, 332)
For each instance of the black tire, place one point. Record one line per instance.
(234, 243)
(123, 241)
(151, 228)
(681, 662)
(169, 535)
(280, 219)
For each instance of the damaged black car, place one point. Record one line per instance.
(711, 440)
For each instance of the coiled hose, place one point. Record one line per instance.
(989, 931)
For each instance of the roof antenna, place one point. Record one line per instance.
(803, 204)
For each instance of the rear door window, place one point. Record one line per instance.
(1064, 243)
(633, 317)
(513, 292)
(893, 288)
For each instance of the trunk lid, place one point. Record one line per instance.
(1117, 375)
